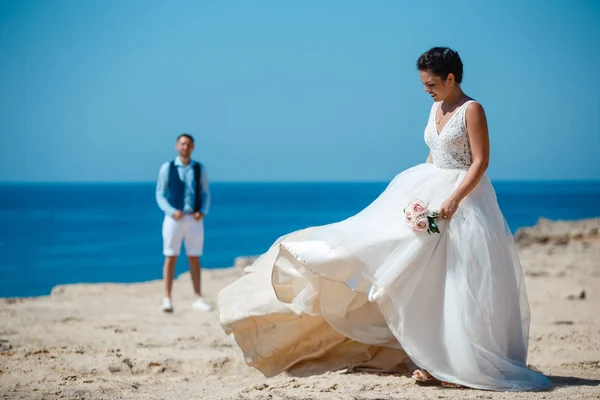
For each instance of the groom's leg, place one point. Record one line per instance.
(195, 274)
(169, 274)
(194, 247)
(172, 232)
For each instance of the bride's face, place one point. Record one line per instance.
(435, 86)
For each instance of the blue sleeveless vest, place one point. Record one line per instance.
(177, 187)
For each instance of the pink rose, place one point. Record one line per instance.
(418, 207)
(420, 224)
(409, 216)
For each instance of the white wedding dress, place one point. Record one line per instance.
(369, 293)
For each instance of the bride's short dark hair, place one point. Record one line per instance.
(441, 61)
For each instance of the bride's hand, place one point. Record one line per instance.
(448, 209)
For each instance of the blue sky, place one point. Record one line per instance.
(287, 91)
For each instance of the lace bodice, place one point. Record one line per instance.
(450, 148)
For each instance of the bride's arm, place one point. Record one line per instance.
(429, 158)
(480, 151)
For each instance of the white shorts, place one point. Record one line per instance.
(186, 230)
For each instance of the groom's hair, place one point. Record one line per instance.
(186, 135)
(441, 61)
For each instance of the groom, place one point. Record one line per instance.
(182, 193)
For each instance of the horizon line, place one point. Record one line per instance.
(124, 182)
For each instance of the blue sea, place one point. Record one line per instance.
(54, 234)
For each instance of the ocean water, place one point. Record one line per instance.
(54, 234)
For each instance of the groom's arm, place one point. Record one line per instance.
(204, 192)
(162, 184)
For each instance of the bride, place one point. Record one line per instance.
(426, 279)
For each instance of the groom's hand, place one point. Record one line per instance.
(198, 216)
(177, 215)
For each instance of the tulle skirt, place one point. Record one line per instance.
(370, 293)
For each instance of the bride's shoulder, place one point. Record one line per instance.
(475, 114)
(474, 108)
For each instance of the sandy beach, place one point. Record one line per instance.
(110, 341)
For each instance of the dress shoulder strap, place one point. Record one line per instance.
(433, 110)
(463, 111)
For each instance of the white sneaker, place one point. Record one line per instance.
(167, 306)
(201, 305)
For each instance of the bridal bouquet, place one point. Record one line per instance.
(420, 219)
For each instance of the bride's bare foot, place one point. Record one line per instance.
(421, 375)
(451, 385)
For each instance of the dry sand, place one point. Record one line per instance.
(110, 341)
